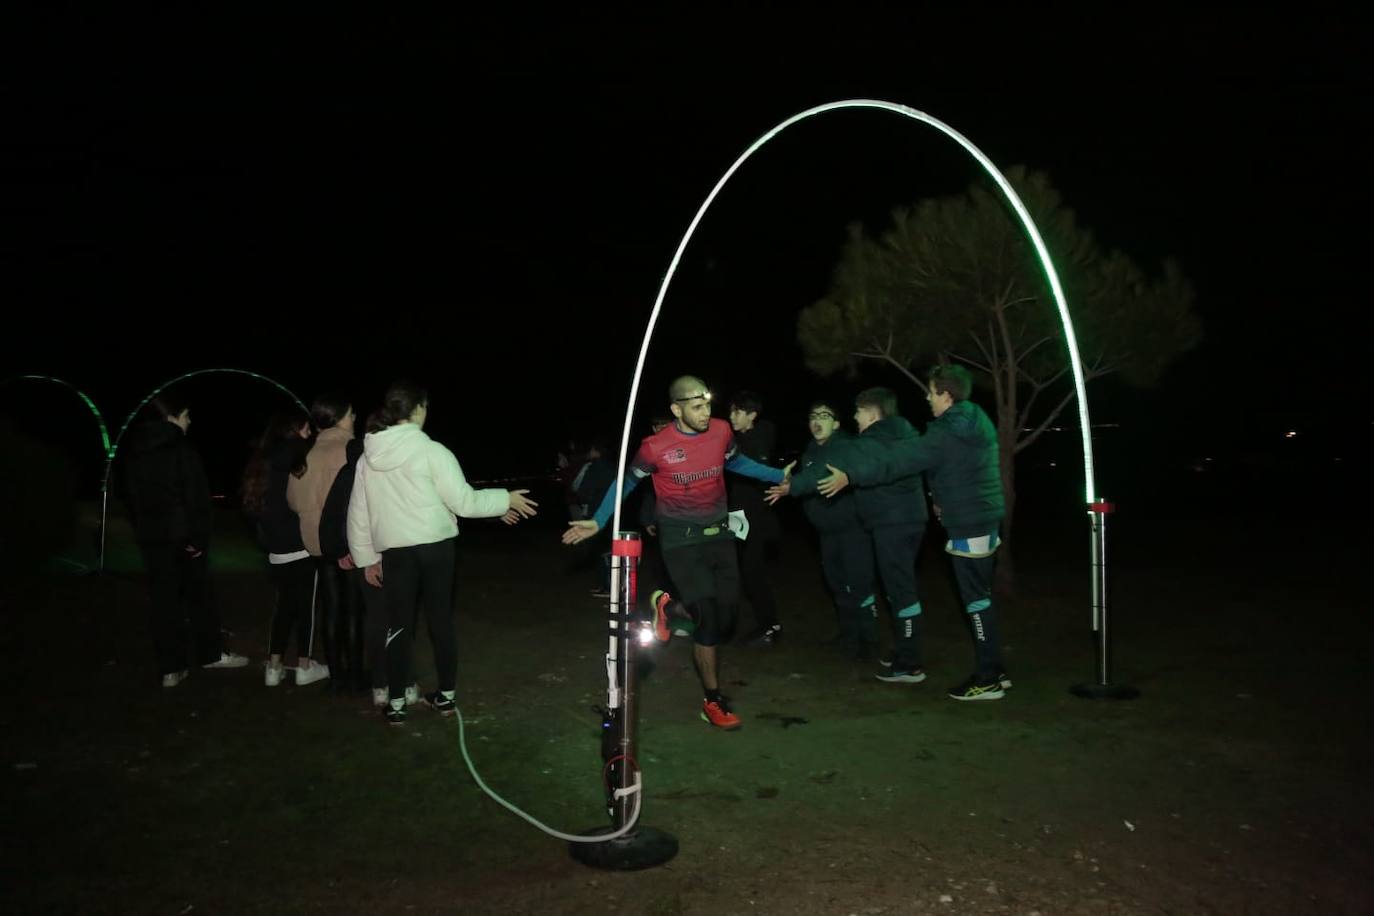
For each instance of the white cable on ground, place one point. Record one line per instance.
(634, 790)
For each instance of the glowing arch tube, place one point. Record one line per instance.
(1089, 484)
(113, 449)
(99, 419)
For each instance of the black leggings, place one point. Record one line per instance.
(341, 620)
(295, 607)
(414, 578)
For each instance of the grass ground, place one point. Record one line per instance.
(1236, 784)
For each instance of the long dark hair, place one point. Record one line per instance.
(283, 427)
(325, 413)
(328, 410)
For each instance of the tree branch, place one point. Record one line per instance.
(1031, 347)
(907, 372)
(982, 348)
(972, 362)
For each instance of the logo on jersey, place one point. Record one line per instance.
(675, 456)
(683, 478)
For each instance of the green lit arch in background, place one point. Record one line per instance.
(1070, 338)
(113, 449)
(85, 399)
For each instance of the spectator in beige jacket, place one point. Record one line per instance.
(341, 618)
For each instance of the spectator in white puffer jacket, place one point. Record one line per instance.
(406, 494)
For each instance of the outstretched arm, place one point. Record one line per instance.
(579, 531)
(745, 466)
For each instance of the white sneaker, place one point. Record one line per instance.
(176, 677)
(379, 696)
(228, 660)
(315, 672)
(274, 674)
(412, 694)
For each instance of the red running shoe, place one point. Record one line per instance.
(718, 714)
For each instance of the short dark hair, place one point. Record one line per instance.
(885, 399)
(951, 379)
(747, 401)
(827, 403)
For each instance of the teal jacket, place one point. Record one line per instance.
(899, 499)
(958, 455)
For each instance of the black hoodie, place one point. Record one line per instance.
(334, 517)
(165, 487)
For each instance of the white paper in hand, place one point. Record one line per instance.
(739, 523)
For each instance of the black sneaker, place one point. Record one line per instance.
(440, 704)
(974, 689)
(895, 675)
(764, 637)
(395, 716)
(886, 660)
(1004, 680)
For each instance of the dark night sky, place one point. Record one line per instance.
(489, 203)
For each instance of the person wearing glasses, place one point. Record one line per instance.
(846, 552)
(959, 457)
(893, 514)
(687, 461)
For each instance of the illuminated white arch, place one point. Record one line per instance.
(1089, 483)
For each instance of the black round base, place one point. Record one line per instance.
(1104, 692)
(644, 847)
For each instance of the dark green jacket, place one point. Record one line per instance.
(900, 499)
(958, 455)
(828, 516)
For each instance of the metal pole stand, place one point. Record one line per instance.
(642, 847)
(1104, 689)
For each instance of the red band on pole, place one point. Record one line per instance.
(627, 548)
(1102, 508)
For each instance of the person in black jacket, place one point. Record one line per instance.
(280, 453)
(357, 590)
(169, 503)
(756, 439)
(846, 550)
(959, 456)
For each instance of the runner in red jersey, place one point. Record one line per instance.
(687, 462)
